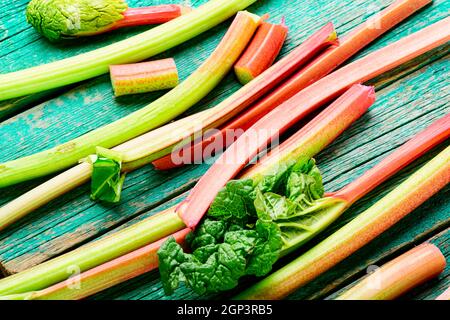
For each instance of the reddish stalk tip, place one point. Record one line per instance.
(151, 15)
(262, 51)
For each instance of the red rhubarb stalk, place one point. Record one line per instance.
(261, 52)
(320, 67)
(150, 15)
(410, 194)
(397, 277)
(280, 119)
(144, 77)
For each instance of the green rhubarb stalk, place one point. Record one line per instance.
(410, 194)
(92, 255)
(400, 275)
(104, 276)
(134, 49)
(146, 231)
(172, 104)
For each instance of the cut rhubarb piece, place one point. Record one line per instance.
(261, 52)
(397, 277)
(144, 77)
(445, 296)
(320, 67)
(280, 119)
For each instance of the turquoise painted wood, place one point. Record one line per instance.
(409, 99)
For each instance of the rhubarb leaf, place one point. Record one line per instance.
(171, 256)
(245, 230)
(267, 249)
(107, 181)
(62, 19)
(234, 203)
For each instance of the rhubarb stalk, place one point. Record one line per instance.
(410, 194)
(320, 67)
(104, 276)
(280, 119)
(63, 19)
(397, 277)
(143, 77)
(134, 237)
(134, 49)
(261, 52)
(172, 104)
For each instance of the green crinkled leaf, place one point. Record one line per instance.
(61, 19)
(171, 257)
(234, 203)
(267, 249)
(247, 227)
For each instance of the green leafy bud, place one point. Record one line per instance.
(62, 19)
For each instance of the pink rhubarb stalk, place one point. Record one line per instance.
(280, 119)
(133, 17)
(261, 52)
(397, 277)
(401, 201)
(144, 77)
(320, 67)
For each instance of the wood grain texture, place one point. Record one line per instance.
(411, 98)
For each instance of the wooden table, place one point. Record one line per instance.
(409, 99)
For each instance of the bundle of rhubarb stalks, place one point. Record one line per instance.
(263, 198)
